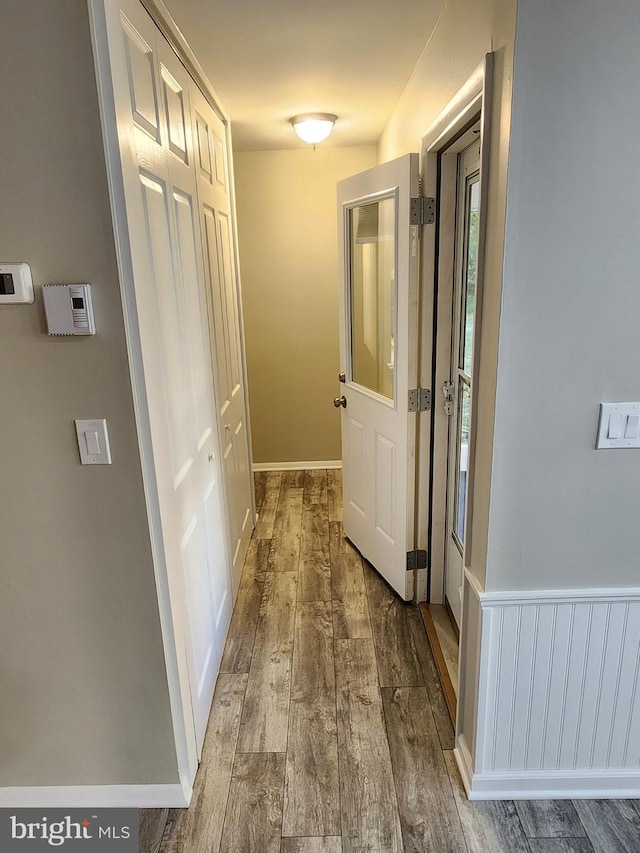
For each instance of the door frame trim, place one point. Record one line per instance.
(473, 101)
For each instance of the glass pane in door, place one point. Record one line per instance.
(372, 300)
(469, 303)
(462, 431)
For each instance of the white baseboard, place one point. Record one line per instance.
(558, 695)
(297, 466)
(463, 760)
(96, 796)
(590, 785)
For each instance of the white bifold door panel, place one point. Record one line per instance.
(219, 258)
(175, 180)
(378, 345)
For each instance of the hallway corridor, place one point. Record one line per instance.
(329, 730)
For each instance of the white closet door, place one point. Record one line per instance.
(167, 254)
(212, 169)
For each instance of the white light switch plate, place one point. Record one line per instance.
(619, 425)
(93, 442)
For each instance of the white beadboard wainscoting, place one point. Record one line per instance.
(558, 699)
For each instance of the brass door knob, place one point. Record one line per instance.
(340, 401)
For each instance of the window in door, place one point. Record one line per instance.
(372, 286)
(467, 304)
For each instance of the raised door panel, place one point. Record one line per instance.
(222, 597)
(231, 300)
(177, 399)
(205, 654)
(218, 308)
(143, 92)
(231, 476)
(385, 486)
(354, 486)
(175, 112)
(195, 325)
(203, 147)
(220, 160)
(241, 477)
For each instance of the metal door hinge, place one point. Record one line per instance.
(423, 210)
(420, 400)
(416, 560)
(449, 397)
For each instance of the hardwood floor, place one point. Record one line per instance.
(329, 730)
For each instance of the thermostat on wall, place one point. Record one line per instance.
(15, 284)
(69, 309)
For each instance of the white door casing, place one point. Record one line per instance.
(378, 431)
(439, 168)
(167, 318)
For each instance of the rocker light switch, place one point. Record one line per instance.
(614, 426)
(631, 429)
(619, 425)
(93, 442)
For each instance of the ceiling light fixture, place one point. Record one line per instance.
(313, 127)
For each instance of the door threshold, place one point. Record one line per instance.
(443, 641)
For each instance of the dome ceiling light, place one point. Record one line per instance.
(313, 127)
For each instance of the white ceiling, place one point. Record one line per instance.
(271, 59)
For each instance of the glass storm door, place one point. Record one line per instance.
(458, 392)
(378, 348)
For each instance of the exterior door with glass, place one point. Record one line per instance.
(458, 391)
(378, 343)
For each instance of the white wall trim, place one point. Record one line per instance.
(464, 761)
(297, 466)
(464, 104)
(546, 596)
(97, 796)
(558, 695)
(578, 785)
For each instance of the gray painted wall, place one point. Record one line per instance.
(82, 675)
(562, 514)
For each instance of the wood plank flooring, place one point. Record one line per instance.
(329, 730)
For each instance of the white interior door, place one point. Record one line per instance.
(378, 342)
(217, 233)
(151, 89)
(459, 390)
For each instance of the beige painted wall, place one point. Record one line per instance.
(465, 32)
(287, 235)
(82, 675)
